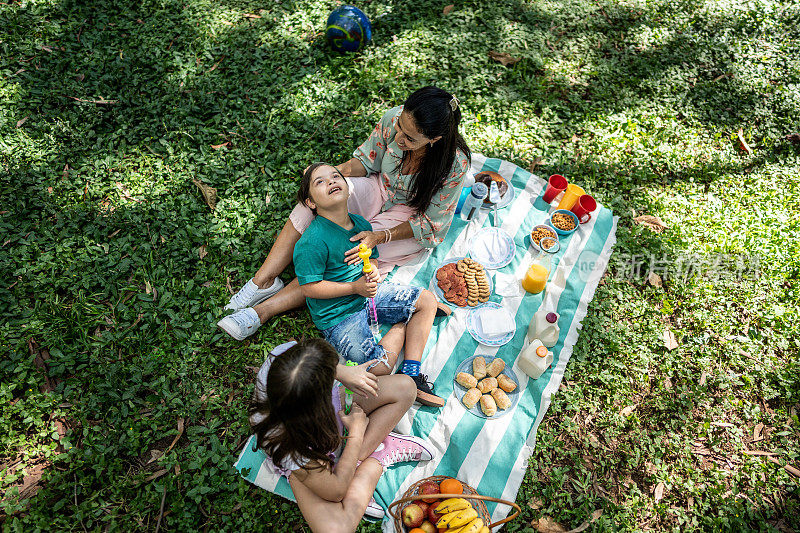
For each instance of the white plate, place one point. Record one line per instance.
(481, 248)
(460, 391)
(475, 329)
(434, 285)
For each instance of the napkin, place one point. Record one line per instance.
(494, 322)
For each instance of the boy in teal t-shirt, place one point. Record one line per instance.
(336, 293)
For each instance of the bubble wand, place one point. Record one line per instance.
(364, 253)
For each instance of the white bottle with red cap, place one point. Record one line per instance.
(544, 326)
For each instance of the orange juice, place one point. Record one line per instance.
(535, 279)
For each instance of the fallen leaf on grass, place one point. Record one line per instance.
(703, 378)
(22, 121)
(794, 138)
(547, 525)
(595, 515)
(181, 422)
(447, 9)
(155, 475)
(148, 288)
(65, 172)
(218, 146)
(209, 193)
(504, 58)
(627, 410)
(757, 431)
(652, 222)
(743, 146)
(655, 280)
(215, 65)
(251, 16)
(535, 504)
(722, 424)
(658, 492)
(669, 340)
(535, 163)
(202, 252)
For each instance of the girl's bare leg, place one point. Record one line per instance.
(289, 297)
(396, 393)
(419, 327)
(279, 257)
(339, 517)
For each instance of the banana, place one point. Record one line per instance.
(473, 527)
(452, 504)
(457, 519)
(485, 529)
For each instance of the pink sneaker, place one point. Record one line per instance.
(399, 448)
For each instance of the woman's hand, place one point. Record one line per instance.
(370, 239)
(358, 379)
(355, 422)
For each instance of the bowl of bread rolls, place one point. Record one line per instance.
(486, 387)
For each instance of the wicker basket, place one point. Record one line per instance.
(396, 507)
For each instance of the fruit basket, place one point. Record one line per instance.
(476, 500)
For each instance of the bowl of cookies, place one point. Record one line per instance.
(462, 282)
(563, 221)
(545, 238)
(486, 387)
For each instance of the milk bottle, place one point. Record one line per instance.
(535, 359)
(544, 326)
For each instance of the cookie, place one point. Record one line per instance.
(461, 266)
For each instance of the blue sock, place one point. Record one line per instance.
(410, 368)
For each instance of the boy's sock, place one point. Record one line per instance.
(410, 368)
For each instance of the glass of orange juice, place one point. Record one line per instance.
(535, 278)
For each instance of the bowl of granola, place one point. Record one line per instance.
(545, 238)
(564, 222)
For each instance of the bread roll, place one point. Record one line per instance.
(496, 366)
(471, 398)
(466, 380)
(487, 385)
(506, 383)
(488, 405)
(479, 368)
(500, 398)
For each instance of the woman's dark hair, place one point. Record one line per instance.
(304, 192)
(434, 115)
(300, 422)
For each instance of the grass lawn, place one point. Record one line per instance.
(118, 392)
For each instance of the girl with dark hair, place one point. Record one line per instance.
(405, 179)
(298, 415)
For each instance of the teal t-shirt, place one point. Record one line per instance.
(319, 255)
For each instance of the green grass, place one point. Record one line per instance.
(638, 101)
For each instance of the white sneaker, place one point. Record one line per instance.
(241, 324)
(374, 510)
(251, 295)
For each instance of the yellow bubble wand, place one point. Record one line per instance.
(365, 253)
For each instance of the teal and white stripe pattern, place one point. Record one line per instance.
(489, 455)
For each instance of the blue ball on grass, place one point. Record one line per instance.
(348, 29)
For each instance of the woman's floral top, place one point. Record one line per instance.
(380, 154)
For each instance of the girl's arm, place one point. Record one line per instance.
(332, 485)
(353, 167)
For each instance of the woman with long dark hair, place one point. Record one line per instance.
(405, 180)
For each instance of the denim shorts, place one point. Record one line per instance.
(352, 337)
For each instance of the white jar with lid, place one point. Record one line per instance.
(544, 326)
(535, 359)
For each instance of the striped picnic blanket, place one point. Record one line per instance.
(489, 455)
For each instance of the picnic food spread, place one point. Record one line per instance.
(563, 221)
(463, 283)
(488, 385)
(487, 177)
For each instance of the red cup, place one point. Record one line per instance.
(584, 207)
(555, 185)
